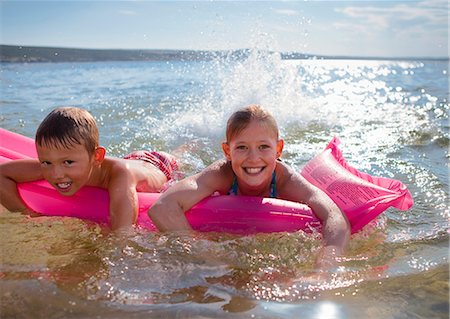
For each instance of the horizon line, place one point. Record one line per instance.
(306, 55)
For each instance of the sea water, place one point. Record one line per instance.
(392, 118)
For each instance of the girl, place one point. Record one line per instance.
(252, 167)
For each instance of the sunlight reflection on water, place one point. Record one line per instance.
(391, 117)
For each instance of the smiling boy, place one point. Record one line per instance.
(69, 157)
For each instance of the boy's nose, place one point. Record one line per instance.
(57, 172)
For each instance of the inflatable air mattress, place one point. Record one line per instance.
(360, 196)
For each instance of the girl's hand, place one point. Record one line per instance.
(329, 258)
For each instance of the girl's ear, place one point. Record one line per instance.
(280, 146)
(99, 154)
(226, 151)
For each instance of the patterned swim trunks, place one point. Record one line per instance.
(165, 162)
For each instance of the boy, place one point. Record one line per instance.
(69, 157)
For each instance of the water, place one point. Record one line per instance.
(392, 117)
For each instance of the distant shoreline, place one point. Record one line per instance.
(32, 54)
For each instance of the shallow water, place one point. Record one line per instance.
(392, 118)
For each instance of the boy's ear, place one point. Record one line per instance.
(99, 154)
(280, 146)
(226, 151)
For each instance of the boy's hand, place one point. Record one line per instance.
(30, 212)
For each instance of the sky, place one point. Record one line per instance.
(337, 28)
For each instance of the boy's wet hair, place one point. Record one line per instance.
(67, 126)
(239, 120)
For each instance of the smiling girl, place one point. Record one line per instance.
(252, 167)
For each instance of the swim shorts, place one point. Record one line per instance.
(165, 162)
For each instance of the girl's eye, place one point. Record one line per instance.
(263, 147)
(241, 147)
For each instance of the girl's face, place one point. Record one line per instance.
(67, 169)
(253, 153)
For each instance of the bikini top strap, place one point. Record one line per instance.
(234, 186)
(273, 186)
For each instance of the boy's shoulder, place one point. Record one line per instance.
(111, 162)
(114, 165)
(113, 170)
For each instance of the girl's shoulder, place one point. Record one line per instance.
(219, 167)
(291, 185)
(217, 176)
(286, 176)
(284, 171)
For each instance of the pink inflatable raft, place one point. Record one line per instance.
(362, 197)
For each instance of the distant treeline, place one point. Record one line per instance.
(10, 53)
(20, 54)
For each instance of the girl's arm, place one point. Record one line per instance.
(13, 172)
(335, 229)
(335, 225)
(167, 213)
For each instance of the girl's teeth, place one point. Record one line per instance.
(253, 170)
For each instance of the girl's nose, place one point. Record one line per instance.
(253, 154)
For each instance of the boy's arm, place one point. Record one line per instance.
(167, 213)
(13, 172)
(123, 199)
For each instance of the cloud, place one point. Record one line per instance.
(420, 26)
(286, 28)
(287, 12)
(431, 12)
(354, 28)
(127, 12)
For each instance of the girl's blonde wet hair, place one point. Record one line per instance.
(67, 126)
(239, 120)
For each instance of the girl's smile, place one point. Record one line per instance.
(253, 170)
(253, 153)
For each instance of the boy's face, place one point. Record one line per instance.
(253, 153)
(66, 169)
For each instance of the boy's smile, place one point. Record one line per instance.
(66, 169)
(64, 187)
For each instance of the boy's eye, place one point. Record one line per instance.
(68, 162)
(45, 163)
